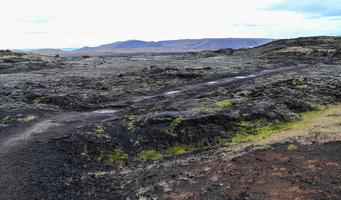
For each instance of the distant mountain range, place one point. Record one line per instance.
(182, 45)
(36, 49)
(166, 46)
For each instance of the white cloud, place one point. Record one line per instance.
(76, 23)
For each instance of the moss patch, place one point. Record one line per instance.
(250, 131)
(156, 155)
(300, 81)
(175, 124)
(260, 133)
(150, 155)
(99, 130)
(131, 121)
(220, 104)
(178, 150)
(116, 157)
(84, 154)
(224, 104)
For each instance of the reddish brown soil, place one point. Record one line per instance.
(310, 172)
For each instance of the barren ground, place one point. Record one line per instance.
(261, 123)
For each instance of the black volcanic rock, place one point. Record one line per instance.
(164, 126)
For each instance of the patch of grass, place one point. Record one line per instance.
(178, 150)
(150, 155)
(118, 157)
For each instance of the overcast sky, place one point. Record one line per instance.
(77, 23)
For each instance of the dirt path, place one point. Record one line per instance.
(215, 83)
(26, 158)
(37, 130)
(18, 139)
(224, 81)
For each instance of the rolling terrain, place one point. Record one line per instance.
(259, 123)
(138, 47)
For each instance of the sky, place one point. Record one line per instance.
(78, 23)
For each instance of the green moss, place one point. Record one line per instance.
(253, 130)
(85, 155)
(99, 130)
(178, 150)
(224, 104)
(204, 147)
(150, 155)
(223, 91)
(175, 150)
(243, 93)
(171, 151)
(310, 114)
(117, 157)
(220, 104)
(131, 121)
(300, 81)
(249, 126)
(260, 133)
(175, 124)
(223, 142)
